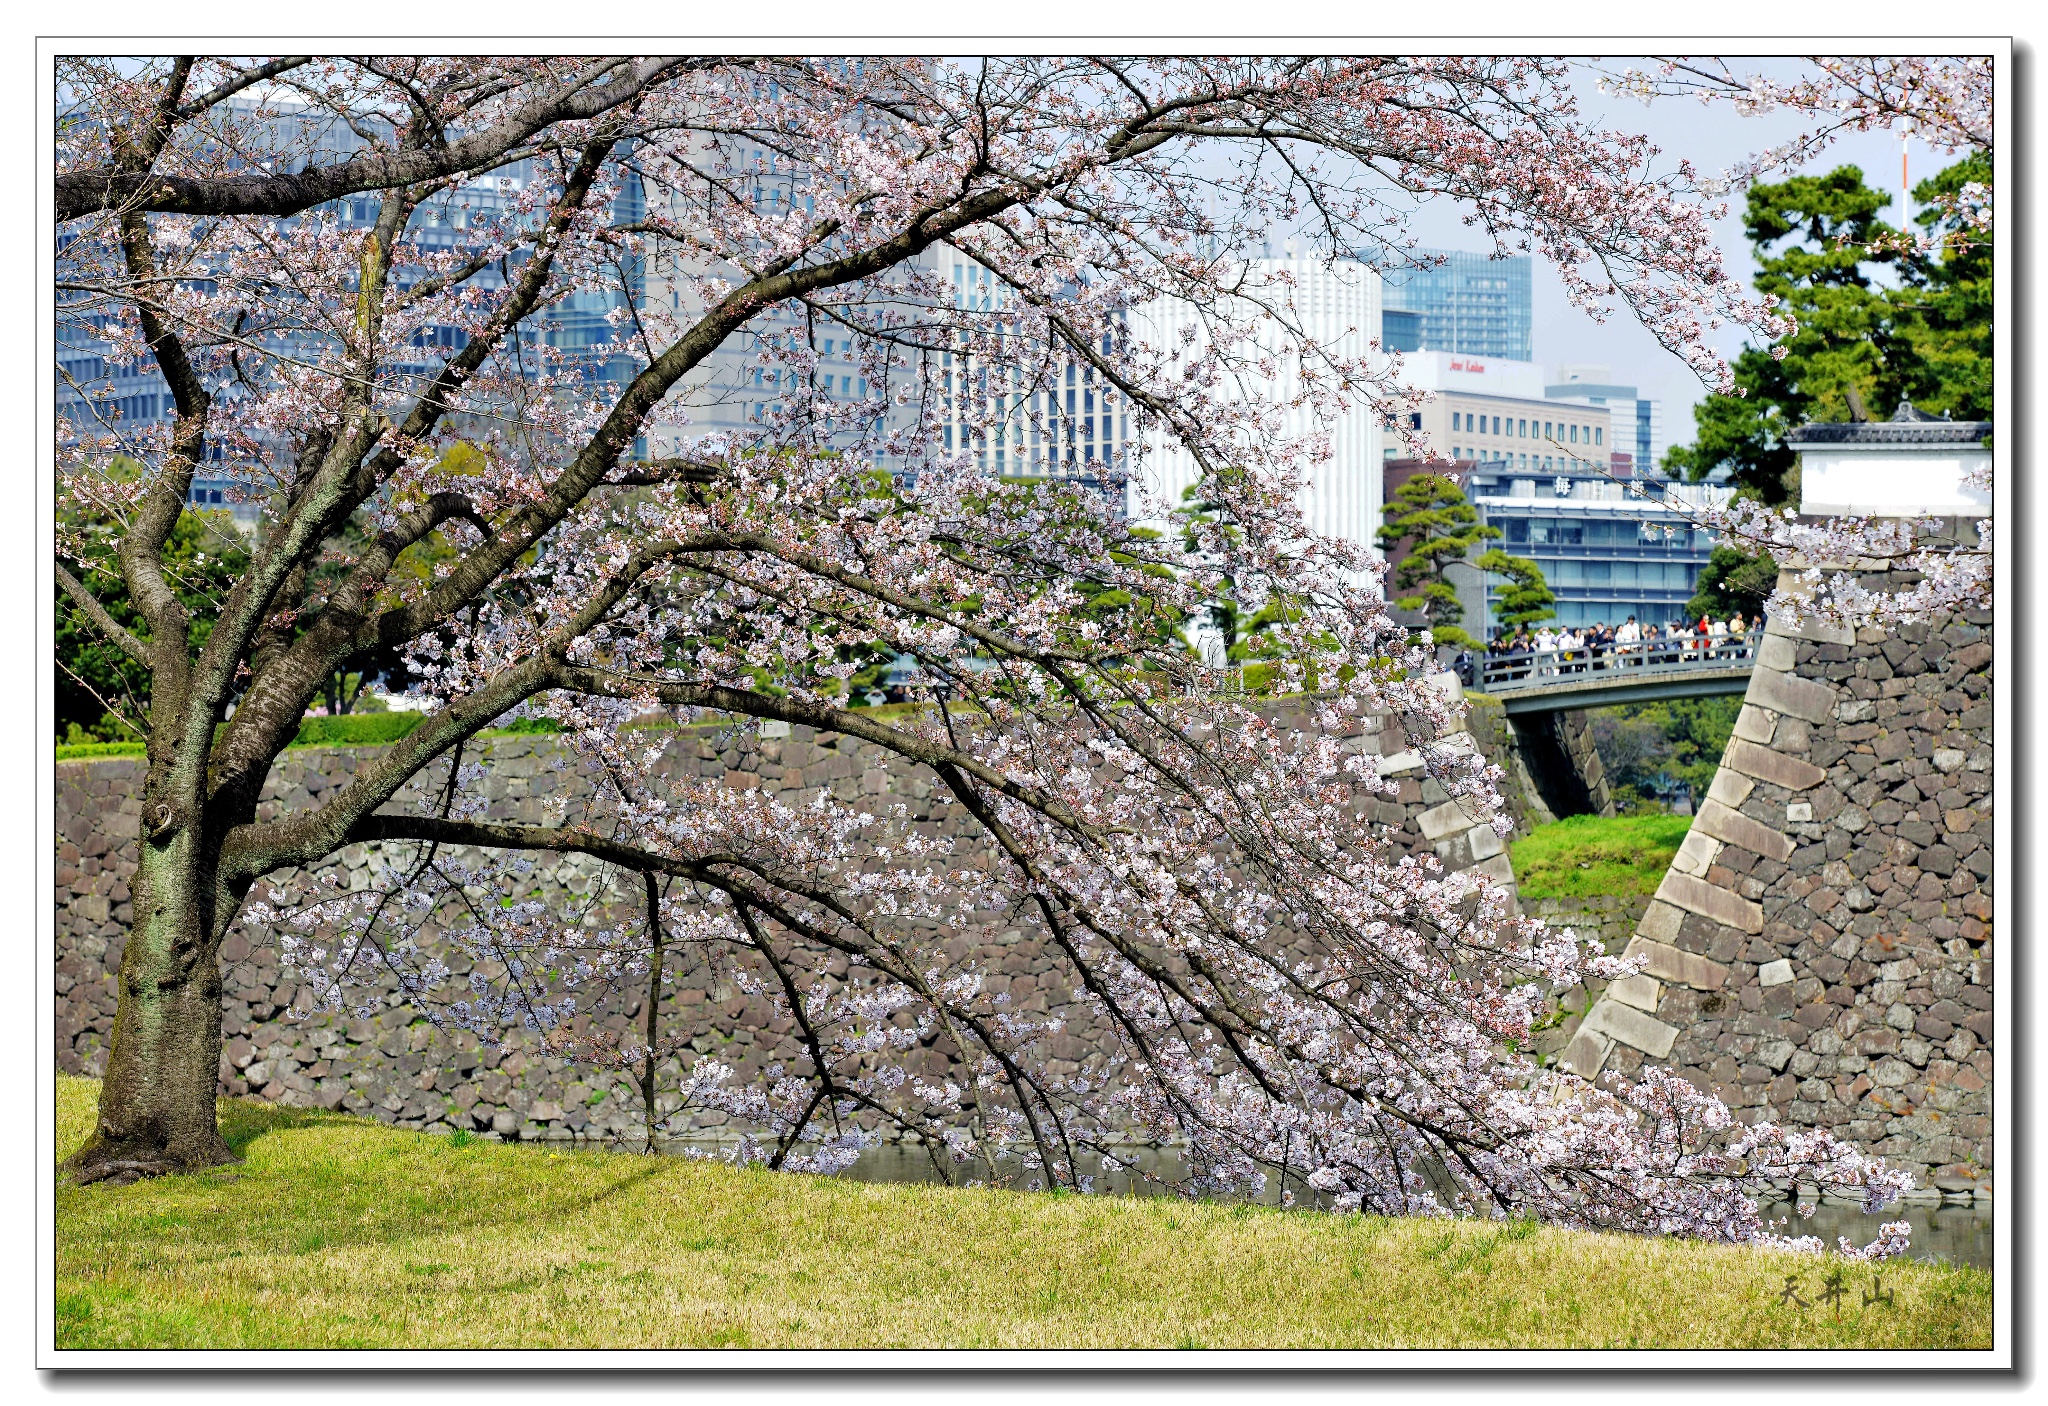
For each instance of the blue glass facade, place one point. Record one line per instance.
(1400, 331)
(1468, 303)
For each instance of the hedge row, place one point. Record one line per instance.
(348, 730)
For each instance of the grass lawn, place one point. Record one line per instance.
(1586, 856)
(339, 1232)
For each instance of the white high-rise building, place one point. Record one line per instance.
(1338, 305)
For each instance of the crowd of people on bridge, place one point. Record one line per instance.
(1549, 651)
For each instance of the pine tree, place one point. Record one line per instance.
(1430, 511)
(1860, 347)
(1527, 598)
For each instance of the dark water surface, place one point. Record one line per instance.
(1951, 1234)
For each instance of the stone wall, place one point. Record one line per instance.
(1559, 766)
(1821, 951)
(396, 1066)
(1610, 919)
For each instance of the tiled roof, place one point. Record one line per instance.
(1906, 426)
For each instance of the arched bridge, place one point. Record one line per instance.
(1545, 694)
(1570, 680)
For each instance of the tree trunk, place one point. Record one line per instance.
(156, 1111)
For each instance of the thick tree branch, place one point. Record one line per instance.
(289, 193)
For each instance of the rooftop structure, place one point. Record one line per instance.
(1911, 465)
(1637, 419)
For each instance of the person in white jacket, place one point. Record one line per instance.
(1626, 639)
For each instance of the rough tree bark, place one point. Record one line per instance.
(157, 1102)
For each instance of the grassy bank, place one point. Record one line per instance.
(1590, 855)
(339, 1232)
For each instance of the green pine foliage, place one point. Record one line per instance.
(1645, 747)
(1527, 598)
(1429, 513)
(1732, 582)
(1875, 325)
(1245, 624)
(102, 695)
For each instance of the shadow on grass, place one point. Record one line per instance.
(243, 1120)
(309, 1200)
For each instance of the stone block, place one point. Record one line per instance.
(1776, 973)
(1736, 828)
(1755, 725)
(1775, 1054)
(1398, 762)
(1499, 869)
(1642, 992)
(1789, 694)
(1696, 853)
(1661, 922)
(1629, 1026)
(1774, 767)
(1730, 788)
(1444, 820)
(1799, 813)
(1586, 1052)
(1677, 966)
(1808, 628)
(1777, 652)
(1485, 843)
(1711, 901)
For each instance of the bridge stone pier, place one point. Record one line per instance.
(1563, 771)
(1821, 951)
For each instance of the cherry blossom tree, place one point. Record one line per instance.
(1285, 990)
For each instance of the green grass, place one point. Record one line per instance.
(339, 1232)
(1586, 856)
(88, 751)
(348, 730)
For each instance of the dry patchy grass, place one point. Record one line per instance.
(339, 1232)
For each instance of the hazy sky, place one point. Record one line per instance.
(1711, 137)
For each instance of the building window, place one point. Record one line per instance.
(1599, 435)
(1556, 531)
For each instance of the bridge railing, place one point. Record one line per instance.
(1539, 668)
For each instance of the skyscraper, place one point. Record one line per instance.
(97, 393)
(1467, 303)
